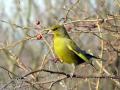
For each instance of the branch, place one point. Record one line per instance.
(74, 75)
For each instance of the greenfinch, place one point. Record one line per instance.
(66, 49)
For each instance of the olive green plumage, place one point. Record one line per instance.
(66, 49)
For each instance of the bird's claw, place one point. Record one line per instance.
(55, 60)
(71, 74)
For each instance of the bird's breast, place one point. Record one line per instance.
(62, 51)
(59, 45)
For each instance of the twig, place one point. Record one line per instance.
(8, 71)
(74, 75)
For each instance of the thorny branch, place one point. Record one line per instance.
(65, 76)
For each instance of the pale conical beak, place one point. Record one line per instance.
(49, 31)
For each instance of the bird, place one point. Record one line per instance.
(66, 49)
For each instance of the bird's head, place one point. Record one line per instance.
(59, 30)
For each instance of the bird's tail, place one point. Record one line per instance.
(92, 56)
(93, 66)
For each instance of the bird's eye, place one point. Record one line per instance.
(54, 29)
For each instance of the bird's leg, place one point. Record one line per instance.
(73, 70)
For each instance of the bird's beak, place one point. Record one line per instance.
(48, 30)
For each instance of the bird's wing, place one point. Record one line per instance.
(74, 48)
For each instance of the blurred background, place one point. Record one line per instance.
(24, 46)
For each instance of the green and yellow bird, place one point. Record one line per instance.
(66, 49)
